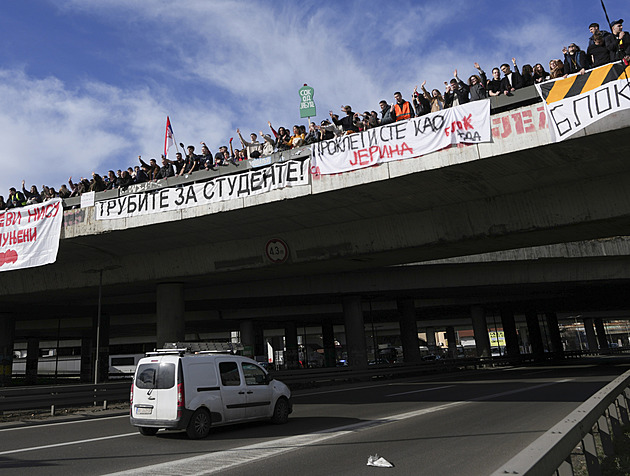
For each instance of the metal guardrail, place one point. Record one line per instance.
(54, 396)
(604, 413)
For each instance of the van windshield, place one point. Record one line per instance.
(156, 375)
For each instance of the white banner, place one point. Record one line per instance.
(279, 175)
(575, 102)
(469, 123)
(29, 236)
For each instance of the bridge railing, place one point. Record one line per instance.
(601, 417)
(498, 104)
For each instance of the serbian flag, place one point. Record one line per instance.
(168, 137)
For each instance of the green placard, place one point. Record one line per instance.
(307, 104)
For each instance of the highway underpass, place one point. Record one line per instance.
(521, 231)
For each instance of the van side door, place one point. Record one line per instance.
(259, 391)
(233, 390)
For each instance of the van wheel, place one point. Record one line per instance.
(199, 425)
(147, 430)
(280, 412)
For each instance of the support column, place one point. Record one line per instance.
(103, 354)
(535, 336)
(7, 336)
(554, 334)
(480, 329)
(509, 331)
(601, 334)
(355, 332)
(291, 358)
(248, 338)
(32, 359)
(409, 330)
(451, 337)
(278, 351)
(171, 326)
(591, 338)
(86, 359)
(429, 332)
(328, 338)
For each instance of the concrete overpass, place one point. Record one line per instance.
(206, 267)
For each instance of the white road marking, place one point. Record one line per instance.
(43, 425)
(221, 460)
(67, 443)
(418, 391)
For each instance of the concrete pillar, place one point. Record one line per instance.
(601, 334)
(535, 336)
(171, 326)
(591, 338)
(509, 331)
(431, 342)
(248, 337)
(291, 357)
(7, 336)
(278, 351)
(554, 334)
(32, 359)
(524, 336)
(409, 330)
(328, 338)
(103, 354)
(480, 329)
(86, 358)
(451, 337)
(355, 332)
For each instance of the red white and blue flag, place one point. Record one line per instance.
(168, 137)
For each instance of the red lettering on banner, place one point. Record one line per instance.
(12, 218)
(464, 125)
(542, 119)
(372, 154)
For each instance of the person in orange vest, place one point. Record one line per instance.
(402, 110)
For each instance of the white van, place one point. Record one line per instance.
(175, 389)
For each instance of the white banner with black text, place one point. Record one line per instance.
(253, 182)
(468, 123)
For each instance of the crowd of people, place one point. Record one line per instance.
(603, 47)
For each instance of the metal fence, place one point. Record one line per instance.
(592, 427)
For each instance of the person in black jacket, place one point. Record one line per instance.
(458, 92)
(618, 43)
(512, 80)
(575, 60)
(597, 52)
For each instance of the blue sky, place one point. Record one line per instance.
(86, 85)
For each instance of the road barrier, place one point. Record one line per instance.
(602, 415)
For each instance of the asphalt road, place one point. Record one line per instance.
(466, 423)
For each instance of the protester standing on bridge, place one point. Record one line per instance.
(16, 199)
(597, 52)
(594, 29)
(33, 196)
(512, 80)
(476, 83)
(254, 148)
(435, 98)
(575, 60)
(540, 75)
(401, 110)
(346, 123)
(618, 43)
(458, 92)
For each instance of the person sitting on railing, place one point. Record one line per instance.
(254, 148)
(33, 196)
(575, 60)
(512, 80)
(597, 52)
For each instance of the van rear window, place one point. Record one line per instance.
(156, 375)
